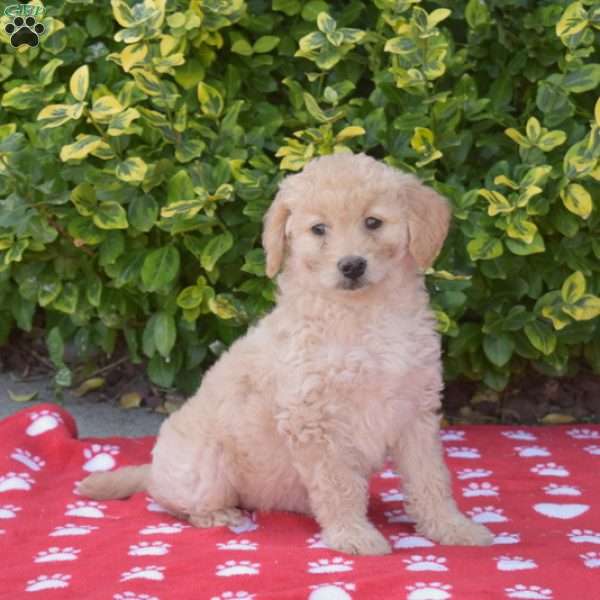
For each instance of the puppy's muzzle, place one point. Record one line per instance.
(352, 267)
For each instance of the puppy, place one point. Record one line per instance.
(344, 371)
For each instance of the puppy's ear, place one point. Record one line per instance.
(428, 220)
(273, 237)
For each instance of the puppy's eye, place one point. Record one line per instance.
(318, 229)
(373, 223)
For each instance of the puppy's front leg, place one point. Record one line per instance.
(338, 497)
(419, 458)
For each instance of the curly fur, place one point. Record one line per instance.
(298, 413)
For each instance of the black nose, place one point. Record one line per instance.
(352, 267)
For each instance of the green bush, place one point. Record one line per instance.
(140, 145)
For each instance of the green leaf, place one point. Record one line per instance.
(162, 371)
(266, 43)
(180, 187)
(325, 23)
(68, 299)
(80, 83)
(132, 170)
(477, 14)
(56, 346)
(498, 348)
(573, 288)
(55, 115)
(484, 248)
(160, 268)
(165, 333)
(84, 145)
(522, 248)
(110, 215)
(211, 101)
(190, 297)
(584, 309)
(143, 212)
(582, 79)
(577, 200)
(215, 248)
(541, 336)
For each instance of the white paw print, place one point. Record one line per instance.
(519, 434)
(388, 474)
(16, 481)
(35, 463)
(48, 582)
(71, 529)
(531, 592)
(584, 433)
(149, 549)
(428, 591)
(514, 563)
(452, 436)
(397, 516)
(550, 469)
(333, 565)
(247, 525)
(463, 474)
(133, 596)
(485, 488)
(591, 559)
(99, 457)
(594, 450)
(154, 506)
(151, 572)
(556, 489)
(584, 536)
(487, 514)
(55, 554)
(462, 452)
(164, 528)
(332, 591)
(392, 495)
(528, 451)
(316, 541)
(85, 508)
(9, 511)
(507, 538)
(232, 568)
(234, 596)
(416, 562)
(410, 540)
(42, 421)
(237, 545)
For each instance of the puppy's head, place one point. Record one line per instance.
(346, 222)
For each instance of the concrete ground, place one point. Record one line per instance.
(94, 419)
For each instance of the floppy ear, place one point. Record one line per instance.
(428, 221)
(273, 237)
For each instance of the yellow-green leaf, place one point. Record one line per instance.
(498, 203)
(132, 170)
(541, 336)
(577, 200)
(119, 123)
(484, 248)
(597, 112)
(80, 83)
(133, 55)
(89, 385)
(573, 287)
(110, 215)
(533, 130)
(514, 135)
(349, 132)
(585, 309)
(84, 145)
(147, 82)
(184, 208)
(437, 16)
(55, 115)
(130, 400)
(557, 419)
(211, 101)
(104, 108)
(21, 397)
(573, 20)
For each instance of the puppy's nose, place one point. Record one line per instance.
(352, 267)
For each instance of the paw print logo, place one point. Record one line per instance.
(433, 590)
(514, 563)
(531, 592)
(591, 559)
(151, 572)
(149, 549)
(71, 529)
(231, 568)
(24, 31)
(584, 536)
(397, 516)
(452, 435)
(550, 470)
(100, 457)
(316, 541)
(416, 562)
(594, 450)
(584, 433)
(335, 565)
(520, 434)
(241, 595)
(393, 495)
(15, 481)
(485, 488)
(133, 596)
(487, 514)
(463, 452)
(35, 463)
(410, 540)
(48, 582)
(332, 591)
(507, 538)
(45, 420)
(528, 451)
(555, 489)
(56, 554)
(473, 473)
(238, 545)
(9, 511)
(87, 509)
(163, 528)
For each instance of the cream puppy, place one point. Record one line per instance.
(344, 371)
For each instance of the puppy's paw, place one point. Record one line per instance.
(216, 518)
(356, 539)
(460, 531)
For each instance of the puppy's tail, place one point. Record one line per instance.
(115, 484)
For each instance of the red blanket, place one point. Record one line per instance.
(538, 489)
